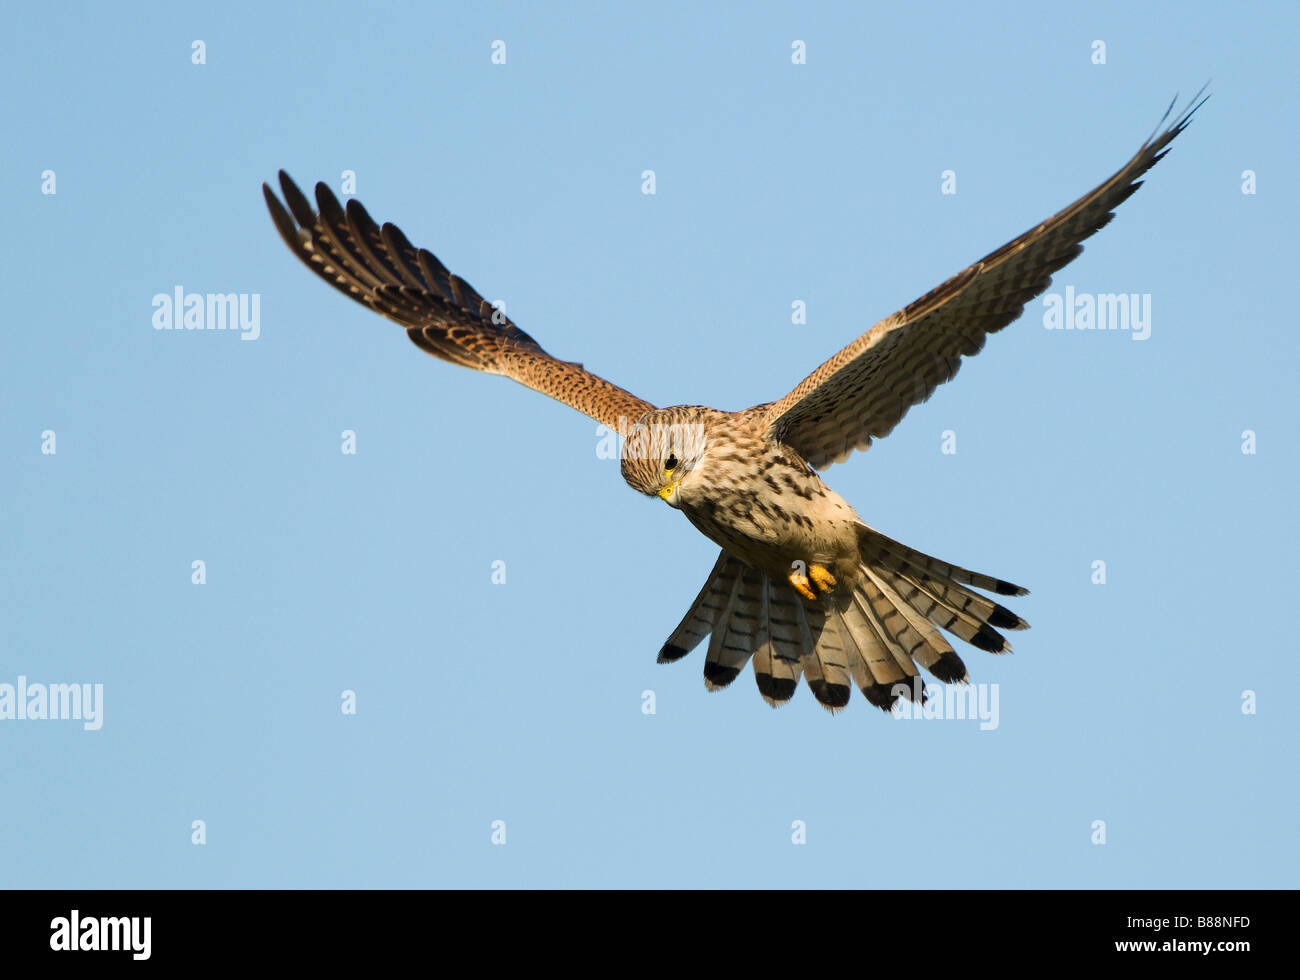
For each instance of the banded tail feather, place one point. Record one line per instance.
(876, 636)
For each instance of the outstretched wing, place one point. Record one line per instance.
(862, 392)
(441, 312)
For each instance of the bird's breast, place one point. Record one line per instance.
(770, 510)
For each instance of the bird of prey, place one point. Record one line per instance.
(803, 586)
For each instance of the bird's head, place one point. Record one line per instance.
(662, 452)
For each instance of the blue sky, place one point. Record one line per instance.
(523, 702)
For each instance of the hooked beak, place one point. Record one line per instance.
(672, 494)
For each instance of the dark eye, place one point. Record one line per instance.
(671, 462)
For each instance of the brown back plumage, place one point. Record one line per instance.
(442, 313)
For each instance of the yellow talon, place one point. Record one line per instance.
(800, 581)
(823, 577)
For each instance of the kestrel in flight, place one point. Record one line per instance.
(803, 586)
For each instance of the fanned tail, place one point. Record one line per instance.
(877, 635)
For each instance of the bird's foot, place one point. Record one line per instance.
(820, 576)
